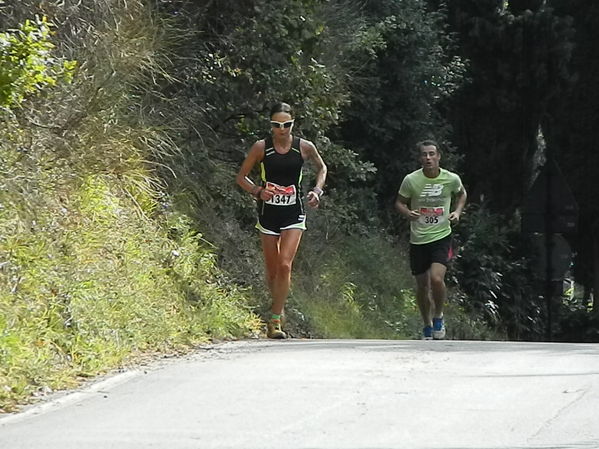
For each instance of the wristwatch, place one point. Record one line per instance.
(318, 191)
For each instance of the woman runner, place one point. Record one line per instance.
(281, 214)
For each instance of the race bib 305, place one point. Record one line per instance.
(431, 215)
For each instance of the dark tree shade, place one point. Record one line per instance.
(517, 64)
(570, 128)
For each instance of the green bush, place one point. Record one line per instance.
(491, 275)
(26, 62)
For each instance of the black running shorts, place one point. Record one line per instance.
(275, 219)
(423, 256)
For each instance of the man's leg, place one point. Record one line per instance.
(438, 289)
(439, 294)
(423, 297)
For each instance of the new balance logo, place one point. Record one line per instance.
(432, 190)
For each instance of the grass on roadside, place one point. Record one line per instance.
(105, 284)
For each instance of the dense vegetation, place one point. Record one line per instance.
(123, 124)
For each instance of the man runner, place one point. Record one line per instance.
(425, 198)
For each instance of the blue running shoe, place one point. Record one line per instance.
(438, 329)
(427, 333)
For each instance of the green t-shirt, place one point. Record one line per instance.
(432, 198)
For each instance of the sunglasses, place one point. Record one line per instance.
(286, 124)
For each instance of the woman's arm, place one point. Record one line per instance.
(309, 152)
(253, 157)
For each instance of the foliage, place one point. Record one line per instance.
(492, 277)
(251, 56)
(576, 326)
(26, 62)
(406, 71)
(353, 287)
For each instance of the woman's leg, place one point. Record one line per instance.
(279, 252)
(270, 249)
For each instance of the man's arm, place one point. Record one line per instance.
(402, 205)
(460, 197)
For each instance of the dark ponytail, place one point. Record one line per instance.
(281, 107)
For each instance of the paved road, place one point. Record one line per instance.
(321, 394)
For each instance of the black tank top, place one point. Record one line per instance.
(283, 169)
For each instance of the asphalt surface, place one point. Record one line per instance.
(320, 394)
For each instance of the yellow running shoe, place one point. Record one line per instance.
(273, 330)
